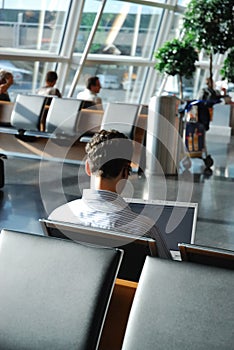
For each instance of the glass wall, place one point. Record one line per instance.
(124, 29)
(115, 40)
(123, 47)
(30, 32)
(36, 25)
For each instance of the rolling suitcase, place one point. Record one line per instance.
(195, 139)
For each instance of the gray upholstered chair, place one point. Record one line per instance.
(54, 293)
(63, 116)
(181, 305)
(121, 116)
(135, 248)
(207, 255)
(27, 112)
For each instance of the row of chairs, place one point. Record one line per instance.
(49, 117)
(55, 294)
(135, 249)
(42, 116)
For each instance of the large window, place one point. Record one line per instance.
(113, 39)
(36, 25)
(123, 47)
(124, 29)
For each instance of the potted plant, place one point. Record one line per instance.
(177, 57)
(209, 25)
(227, 71)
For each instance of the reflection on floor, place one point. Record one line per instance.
(35, 185)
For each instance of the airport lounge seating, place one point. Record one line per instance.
(181, 306)
(207, 255)
(54, 293)
(120, 116)
(135, 248)
(49, 117)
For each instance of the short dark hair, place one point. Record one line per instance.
(92, 81)
(51, 76)
(108, 153)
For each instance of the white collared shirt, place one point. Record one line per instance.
(88, 95)
(108, 210)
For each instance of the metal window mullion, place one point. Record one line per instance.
(69, 40)
(86, 49)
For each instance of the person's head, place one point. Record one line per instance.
(109, 155)
(6, 77)
(51, 78)
(93, 84)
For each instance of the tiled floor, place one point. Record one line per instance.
(33, 187)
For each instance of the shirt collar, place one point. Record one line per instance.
(101, 197)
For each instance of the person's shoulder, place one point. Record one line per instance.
(53, 91)
(57, 93)
(5, 97)
(57, 213)
(64, 212)
(98, 100)
(81, 94)
(42, 91)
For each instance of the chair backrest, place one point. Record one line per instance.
(27, 112)
(181, 305)
(6, 109)
(88, 104)
(54, 293)
(63, 116)
(121, 116)
(207, 255)
(135, 248)
(90, 120)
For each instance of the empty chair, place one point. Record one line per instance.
(90, 119)
(54, 293)
(181, 306)
(122, 117)
(135, 248)
(207, 255)
(63, 116)
(27, 112)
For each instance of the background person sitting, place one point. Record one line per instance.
(6, 80)
(93, 86)
(108, 162)
(49, 88)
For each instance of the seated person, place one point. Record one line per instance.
(108, 162)
(6, 80)
(49, 88)
(93, 86)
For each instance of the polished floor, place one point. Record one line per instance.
(36, 183)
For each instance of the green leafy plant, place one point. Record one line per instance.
(227, 71)
(209, 24)
(177, 57)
